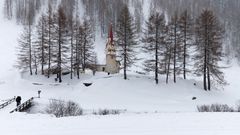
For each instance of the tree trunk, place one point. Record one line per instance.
(59, 56)
(168, 65)
(42, 61)
(205, 58)
(185, 50)
(30, 49)
(84, 53)
(156, 56)
(125, 61)
(125, 50)
(174, 53)
(71, 75)
(49, 48)
(208, 77)
(35, 63)
(77, 60)
(204, 70)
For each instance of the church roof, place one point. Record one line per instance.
(110, 34)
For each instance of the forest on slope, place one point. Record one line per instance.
(102, 12)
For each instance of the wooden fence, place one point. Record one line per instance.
(7, 103)
(24, 106)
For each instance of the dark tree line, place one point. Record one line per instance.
(58, 44)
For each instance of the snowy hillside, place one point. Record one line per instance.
(148, 109)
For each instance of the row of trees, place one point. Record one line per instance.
(226, 11)
(169, 44)
(58, 44)
(61, 42)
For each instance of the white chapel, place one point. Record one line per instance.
(112, 65)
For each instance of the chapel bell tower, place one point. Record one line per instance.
(112, 65)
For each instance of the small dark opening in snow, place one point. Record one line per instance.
(194, 98)
(87, 84)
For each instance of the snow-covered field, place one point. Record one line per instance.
(150, 109)
(138, 94)
(140, 124)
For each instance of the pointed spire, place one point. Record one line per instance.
(110, 34)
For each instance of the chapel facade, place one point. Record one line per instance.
(112, 66)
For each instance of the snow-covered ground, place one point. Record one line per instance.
(138, 94)
(141, 124)
(151, 109)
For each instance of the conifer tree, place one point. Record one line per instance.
(25, 55)
(209, 35)
(186, 28)
(87, 43)
(71, 30)
(168, 54)
(50, 38)
(153, 39)
(25, 52)
(61, 41)
(175, 42)
(41, 43)
(126, 39)
(77, 47)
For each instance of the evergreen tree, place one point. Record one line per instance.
(87, 43)
(168, 54)
(61, 41)
(71, 30)
(50, 35)
(175, 42)
(209, 35)
(153, 39)
(41, 43)
(77, 47)
(76, 43)
(25, 50)
(186, 27)
(126, 39)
